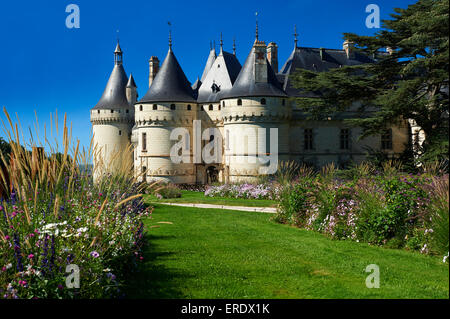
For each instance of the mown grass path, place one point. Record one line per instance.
(206, 253)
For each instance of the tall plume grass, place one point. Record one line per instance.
(51, 214)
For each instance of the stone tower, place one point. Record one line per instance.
(113, 117)
(255, 105)
(168, 104)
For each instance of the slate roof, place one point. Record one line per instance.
(222, 74)
(209, 63)
(114, 95)
(315, 59)
(245, 84)
(170, 84)
(131, 83)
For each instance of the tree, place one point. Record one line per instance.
(5, 148)
(409, 83)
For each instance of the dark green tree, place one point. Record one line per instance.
(409, 83)
(5, 148)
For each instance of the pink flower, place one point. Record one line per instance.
(30, 256)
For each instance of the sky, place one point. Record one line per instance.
(47, 67)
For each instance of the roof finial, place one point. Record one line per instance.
(210, 45)
(295, 35)
(221, 42)
(256, 32)
(170, 35)
(234, 46)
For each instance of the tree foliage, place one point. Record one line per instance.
(410, 83)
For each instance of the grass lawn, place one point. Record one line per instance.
(208, 253)
(200, 198)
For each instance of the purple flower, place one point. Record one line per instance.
(94, 254)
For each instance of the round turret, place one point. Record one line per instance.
(112, 118)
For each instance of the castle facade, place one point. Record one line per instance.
(247, 112)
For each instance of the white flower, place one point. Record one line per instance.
(445, 258)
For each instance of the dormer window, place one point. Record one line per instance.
(215, 88)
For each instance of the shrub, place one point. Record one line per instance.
(390, 208)
(168, 191)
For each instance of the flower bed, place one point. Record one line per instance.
(398, 211)
(247, 191)
(40, 237)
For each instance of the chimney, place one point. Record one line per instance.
(272, 56)
(153, 69)
(260, 62)
(348, 48)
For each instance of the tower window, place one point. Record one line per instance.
(127, 111)
(344, 137)
(120, 132)
(239, 102)
(386, 140)
(112, 111)
(155, 107)
(98, 111)
(263, 101)
(223, 103)
(144, 142)
(172, 106)
(189, 107)
(140, 107)
(211, 107)
(219, 107)
(308, 139)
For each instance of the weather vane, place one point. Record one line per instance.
(256, 18)
(170, 34)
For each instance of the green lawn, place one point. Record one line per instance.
(228, 254)
(200, 198)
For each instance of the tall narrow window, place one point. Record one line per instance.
(144, 142)
(386, 140)
(211, 107)
(140, 107)
(345, 139)
(239, 102)
(98, 111)
(155, 107)
(227, 140)
(112, 111)
(120, 132)
(308, 139)
(189, 107)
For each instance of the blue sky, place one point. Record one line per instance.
(46, 66)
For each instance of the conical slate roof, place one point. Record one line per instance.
(246, 85)
(220, 78)
(131, 83)
(114, 95)
(170, 84)
(209, 63)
